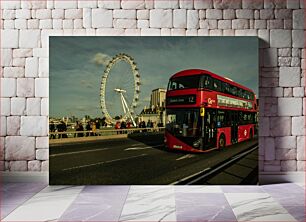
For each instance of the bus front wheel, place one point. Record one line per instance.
(221, 141)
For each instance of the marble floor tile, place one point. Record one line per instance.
(91, 198)
(105, 189)
(47, 205)
(22, 187)
(257, 207)
(14, 194)
(197, 189)
(301, 185)
(289, 199)
(283, 188)
(203, 207)
(206, 213)
(97, 203)
(298, 212)
(61, 190)
(6, 210)
(149, 203)
(242, 189)
(206, 199)
(14, 198)
(86, 212)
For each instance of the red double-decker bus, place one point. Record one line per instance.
(205, 111)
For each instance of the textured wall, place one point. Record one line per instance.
(26, 26)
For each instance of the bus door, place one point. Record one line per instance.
(210, 135)
(234, 126)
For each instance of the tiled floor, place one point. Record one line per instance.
(39, 202)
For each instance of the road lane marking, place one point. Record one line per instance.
(187, 156)
(137, 148)
(77, 152)
(137, 144)
(104, 162)
(190, 176)
(143, 148)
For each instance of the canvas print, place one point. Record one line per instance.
(153, 110)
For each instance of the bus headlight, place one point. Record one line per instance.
(197, 143)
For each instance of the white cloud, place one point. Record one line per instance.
(101, 59)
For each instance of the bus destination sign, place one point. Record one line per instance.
(180, 100)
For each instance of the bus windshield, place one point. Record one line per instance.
(184, 82)
(183, 122)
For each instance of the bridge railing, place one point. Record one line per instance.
(102, 132)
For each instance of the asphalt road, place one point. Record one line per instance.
(139, 160)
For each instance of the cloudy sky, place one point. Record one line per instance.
(77, 65)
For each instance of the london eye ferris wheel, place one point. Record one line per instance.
(120, 88)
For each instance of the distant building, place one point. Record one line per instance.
(158, 98)
(156, 112)
(156, 115)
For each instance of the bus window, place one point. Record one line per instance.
(227, 121)
(180, 86)
(171, 118)
(251, 118)
(226, 88)
(207, 82)
(172, 85)
(216, 85)
(244, 94)
(246, 118)
(254, 120)
(240, 118)
(249, 95)
(183, 122)
(234, 90)
(240, 94)
(220, 118)
(185, 82)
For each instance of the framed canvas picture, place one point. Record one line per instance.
(153, 110)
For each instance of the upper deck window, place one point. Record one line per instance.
(184, 82)
(208, 82)
(216, 85)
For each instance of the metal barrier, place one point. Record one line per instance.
(103, 132)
